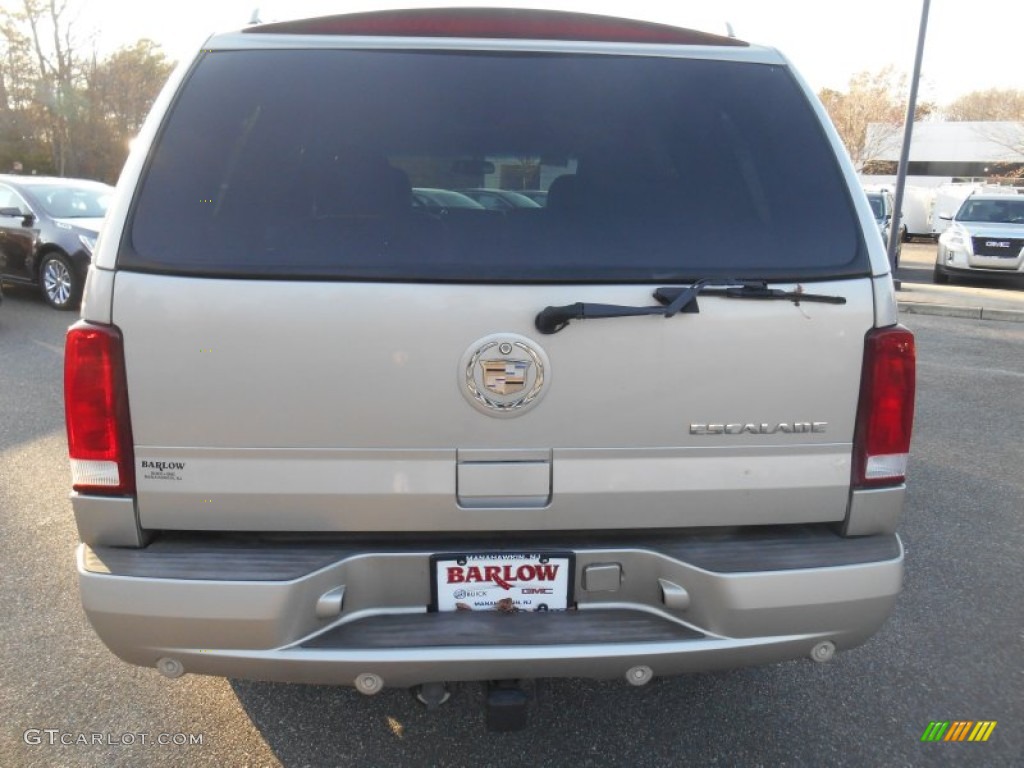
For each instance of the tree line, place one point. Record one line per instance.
(880, 99)
(64, 110)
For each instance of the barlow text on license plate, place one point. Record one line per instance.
(502, 582)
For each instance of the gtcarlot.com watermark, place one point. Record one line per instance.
(56, 737)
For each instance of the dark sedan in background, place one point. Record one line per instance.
(48, 229)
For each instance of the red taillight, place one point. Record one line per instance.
(96, 411)
(885, 415)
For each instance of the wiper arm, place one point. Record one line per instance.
(553, 319)
(675, 300)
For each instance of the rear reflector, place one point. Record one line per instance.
(491, 23)
(96, 411)
(885, 414)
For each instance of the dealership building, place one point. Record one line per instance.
(942, 152)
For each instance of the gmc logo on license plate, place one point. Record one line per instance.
(997, 243)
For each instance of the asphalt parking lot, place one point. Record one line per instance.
(952, 650)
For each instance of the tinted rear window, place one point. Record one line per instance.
(333, 164)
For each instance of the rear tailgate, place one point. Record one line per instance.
(329, 406)
(302, 343)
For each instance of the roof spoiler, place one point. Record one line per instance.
(498, 23)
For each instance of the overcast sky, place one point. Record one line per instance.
(971, 44)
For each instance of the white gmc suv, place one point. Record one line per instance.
(320, 434)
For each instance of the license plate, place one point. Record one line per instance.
(507, 582)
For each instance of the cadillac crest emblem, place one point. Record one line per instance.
(505, 377)
(504, 374)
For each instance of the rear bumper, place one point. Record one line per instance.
(199, 603)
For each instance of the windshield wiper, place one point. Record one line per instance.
(755, 289)
(673, 300)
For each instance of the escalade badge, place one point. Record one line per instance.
(504, 374)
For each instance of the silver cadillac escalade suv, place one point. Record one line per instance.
(321, 434)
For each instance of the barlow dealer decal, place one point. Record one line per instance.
(506, 582)
(162, 470)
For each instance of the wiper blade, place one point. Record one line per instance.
(755, 290)
(553, 319)
(673, 300)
